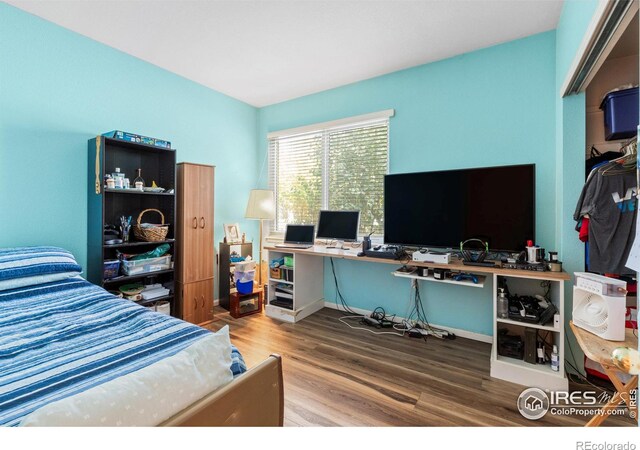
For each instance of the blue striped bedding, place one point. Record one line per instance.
(61, 338)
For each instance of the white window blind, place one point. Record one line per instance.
(336, 168)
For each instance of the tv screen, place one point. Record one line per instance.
(340, 225)
(441, 209)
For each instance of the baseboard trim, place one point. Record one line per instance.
(458, 332)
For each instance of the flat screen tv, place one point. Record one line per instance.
(441, 209)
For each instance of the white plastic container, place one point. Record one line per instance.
(146, 265)
(245, 266)
(163, 307)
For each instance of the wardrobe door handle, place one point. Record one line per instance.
(202, 222)
(203, 301)
(195, 303)
(195, 223)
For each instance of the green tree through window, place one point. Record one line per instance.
(337, 169)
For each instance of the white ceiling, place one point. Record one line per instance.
(265, 52)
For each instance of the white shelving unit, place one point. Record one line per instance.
(308, 295)
(518, 370)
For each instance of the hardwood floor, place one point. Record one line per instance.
(337, 376)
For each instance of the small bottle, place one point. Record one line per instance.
(503, 305)
(111, 184)
(540, 352)
(138, 183)
(555, 359)
(118, 178)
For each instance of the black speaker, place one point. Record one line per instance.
(530, 341)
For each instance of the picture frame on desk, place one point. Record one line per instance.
(232, 233)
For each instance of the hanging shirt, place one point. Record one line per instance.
(610, 201)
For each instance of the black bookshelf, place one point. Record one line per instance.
(107, 205)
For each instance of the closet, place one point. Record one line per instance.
(195, 252)
(618, 71)
(610, 63)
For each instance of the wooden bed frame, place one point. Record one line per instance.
(254, 399)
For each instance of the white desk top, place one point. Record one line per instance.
(456, 264)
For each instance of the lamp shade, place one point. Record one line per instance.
(261, 205)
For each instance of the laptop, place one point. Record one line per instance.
(298, 236)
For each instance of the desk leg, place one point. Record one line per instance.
(623, 394)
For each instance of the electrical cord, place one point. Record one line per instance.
(339, 296)
(417, 320)
(546, 284)
(380, 316)
(573, 356)
(343, 320)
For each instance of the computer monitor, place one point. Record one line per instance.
(338, 225)
(299, 234)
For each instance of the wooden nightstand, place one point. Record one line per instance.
(241, 305)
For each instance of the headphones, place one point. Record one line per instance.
(469, 255)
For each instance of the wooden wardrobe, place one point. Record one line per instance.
(195, 245)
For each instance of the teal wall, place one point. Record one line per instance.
(58, 89)
(496, 106)
(491, 107)
(570, 149)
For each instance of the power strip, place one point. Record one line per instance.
(384, 323)
(371, 321)
(418, 331)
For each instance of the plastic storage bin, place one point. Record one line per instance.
(620, 114)
(244, 281)
(244, 287)
(146, 265)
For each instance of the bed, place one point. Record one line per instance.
(73, 354)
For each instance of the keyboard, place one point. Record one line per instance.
(302, 246)
(483, 263)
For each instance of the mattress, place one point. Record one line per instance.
(62, 338)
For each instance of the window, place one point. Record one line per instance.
(337, 166)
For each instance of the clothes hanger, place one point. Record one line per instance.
(626, 163)
(594, 152)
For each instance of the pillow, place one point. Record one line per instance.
(26, 266)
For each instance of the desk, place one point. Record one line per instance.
(456, 264)
(599, 350)
(308, 297)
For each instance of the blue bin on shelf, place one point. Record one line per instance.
(244, 281)
(244, 288)
(620, 114)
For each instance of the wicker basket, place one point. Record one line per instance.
(154, 233)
